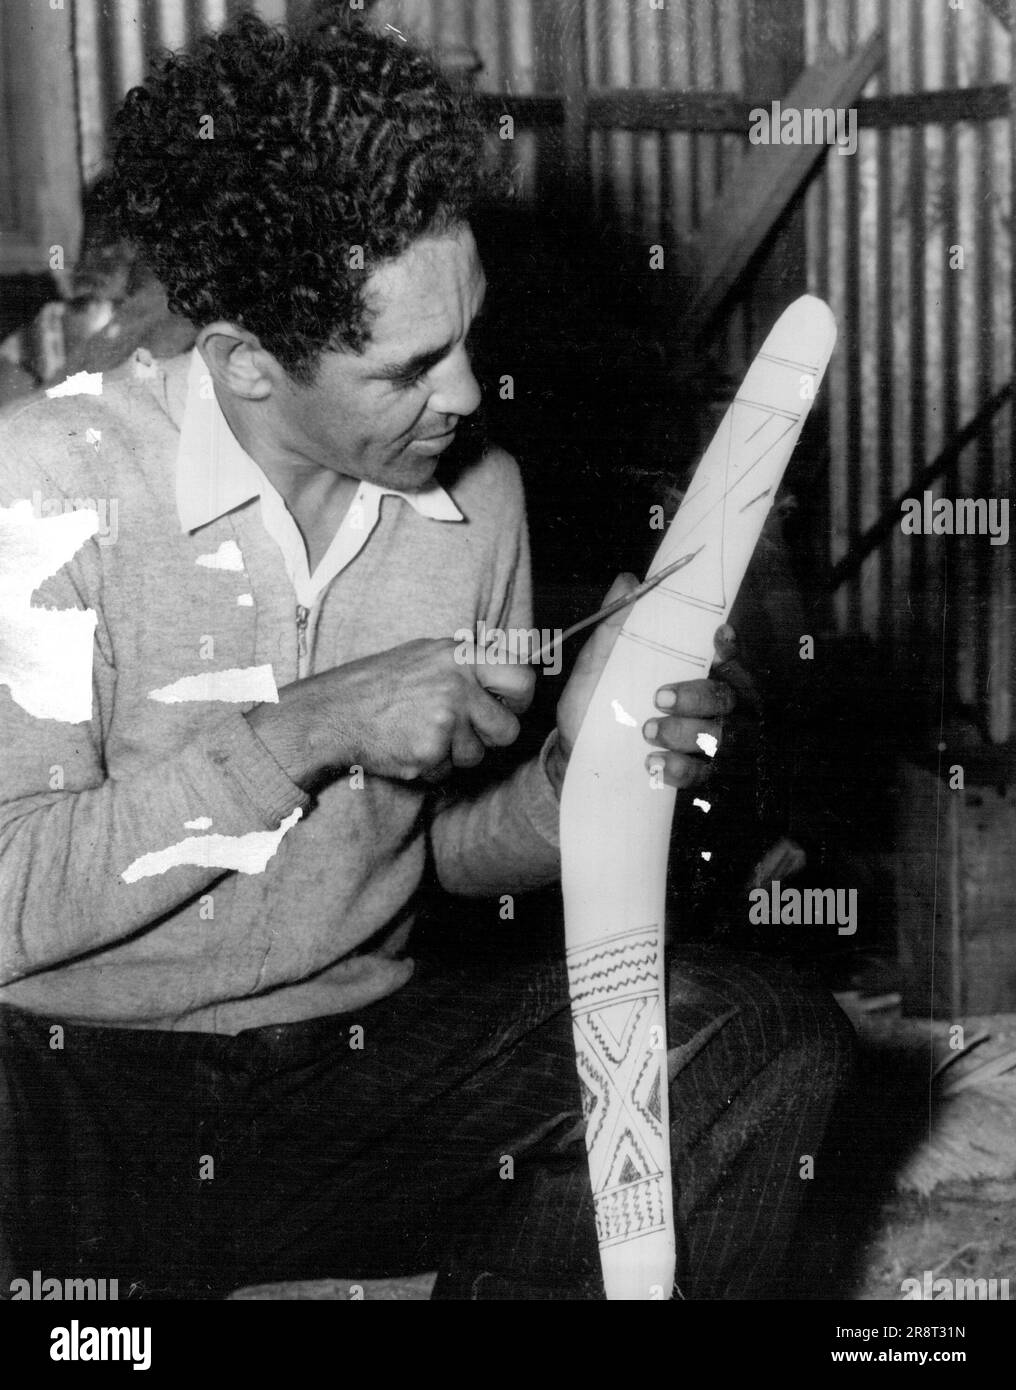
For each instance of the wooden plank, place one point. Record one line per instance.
(630, 109)
(765, 181)
(775, 40)
(529, 111)
(773, 34)
(1003, 12)
(985, 103)
(648, 109)
(729, 113)
(890, 518)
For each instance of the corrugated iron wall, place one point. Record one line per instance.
(665, 180)
(658, 185)
(911, 242)
(114, 39)
(923, 343)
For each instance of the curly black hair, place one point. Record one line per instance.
(320, 141)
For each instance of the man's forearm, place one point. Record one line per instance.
(64, 855)
(506, 838)
(298, 733)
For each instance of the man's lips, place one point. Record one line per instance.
(434, 443)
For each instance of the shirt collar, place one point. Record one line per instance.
(214, 474)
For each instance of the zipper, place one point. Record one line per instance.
(302, 615)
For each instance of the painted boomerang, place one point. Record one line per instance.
(616, 817)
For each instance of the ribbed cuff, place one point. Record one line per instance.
(244, 761)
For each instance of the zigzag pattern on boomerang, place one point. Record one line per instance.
(614, 988)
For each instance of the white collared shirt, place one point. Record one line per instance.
(215, 474)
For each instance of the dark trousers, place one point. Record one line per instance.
(186, 1165)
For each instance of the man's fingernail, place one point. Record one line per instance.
(666, 699)
(652, 729)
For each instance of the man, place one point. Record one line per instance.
(220, 1065)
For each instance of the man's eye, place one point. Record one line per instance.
(405, 383)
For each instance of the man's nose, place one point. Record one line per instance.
(456, 390)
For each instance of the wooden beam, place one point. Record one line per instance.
(633, 109)
(628, 109)
(766, 179)
(774, 36)
(727, 112)
(934, 108)
(1002, 10)
(887, 523)
(528, 110)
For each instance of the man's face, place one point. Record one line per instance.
(388, 413)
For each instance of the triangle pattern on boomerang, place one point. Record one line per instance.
(616, 819)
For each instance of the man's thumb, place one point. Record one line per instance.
(594, 654)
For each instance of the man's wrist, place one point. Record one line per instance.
(293, 731)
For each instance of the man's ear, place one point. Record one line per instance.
(237, 361)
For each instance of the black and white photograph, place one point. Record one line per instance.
(507, 666)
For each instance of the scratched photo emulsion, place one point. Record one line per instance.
(507, 742)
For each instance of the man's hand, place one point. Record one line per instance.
(412, 711)
(687, 709)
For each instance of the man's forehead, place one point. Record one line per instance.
(426, 294)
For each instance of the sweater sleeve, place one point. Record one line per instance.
(505, 836)
(69, 831)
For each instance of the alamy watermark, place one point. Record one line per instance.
(809, 125)
(932, 1286)
(809, 907)
(77, 1343)
(108, 509)
(956, 516)
(513, 646)
(42, 1288)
